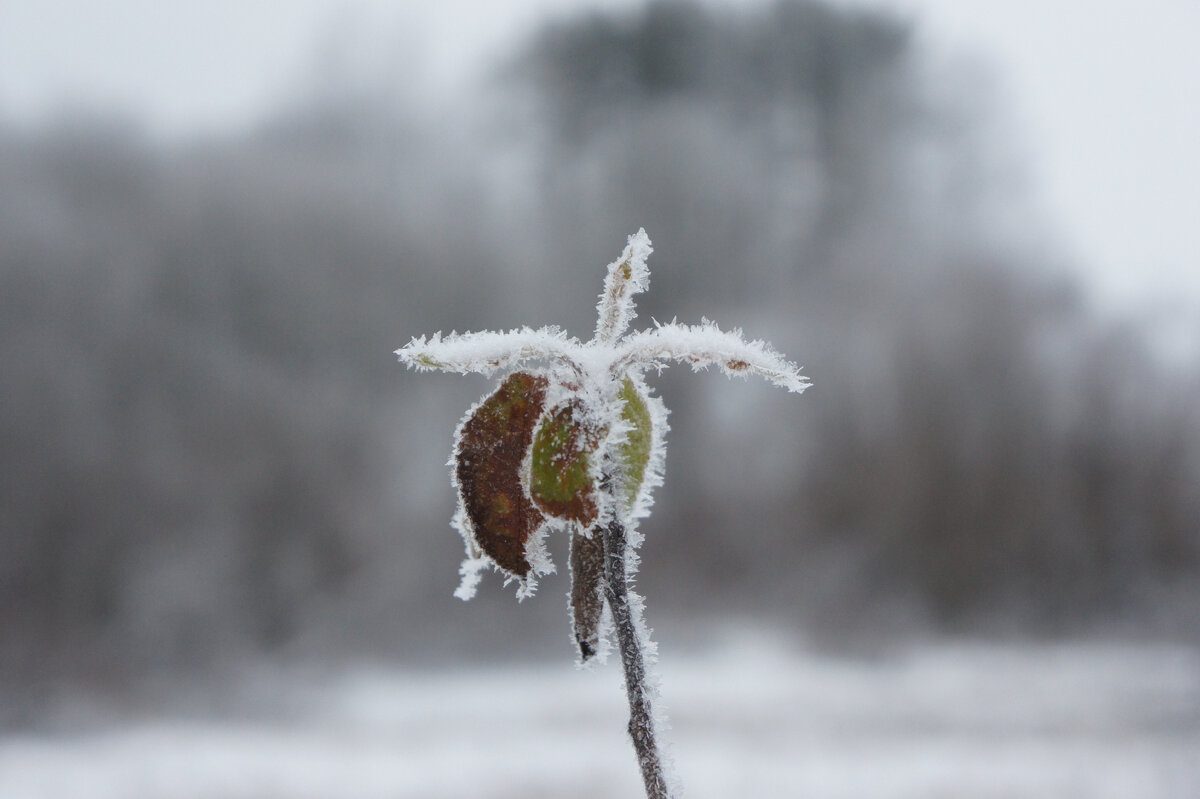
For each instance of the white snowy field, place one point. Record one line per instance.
(756, 719)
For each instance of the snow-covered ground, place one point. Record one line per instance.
(753, 719)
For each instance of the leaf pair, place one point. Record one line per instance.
(520, 465)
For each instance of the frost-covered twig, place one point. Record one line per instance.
(573, 440)
(707, 345)
(627, 628)
(628, 275)
(487, 352)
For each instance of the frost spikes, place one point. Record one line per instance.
(491, 448)
(627, 276)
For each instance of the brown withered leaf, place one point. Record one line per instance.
(587, 591)
(491, 447)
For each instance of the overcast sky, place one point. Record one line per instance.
(1103, 94)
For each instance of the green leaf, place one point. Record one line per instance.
(561, 480)
(633, 454)
(488, 457)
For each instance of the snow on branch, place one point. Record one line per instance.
(705, 345)
(627, 276)
(487, 352)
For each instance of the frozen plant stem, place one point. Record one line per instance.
(641, 717)
(576, 443)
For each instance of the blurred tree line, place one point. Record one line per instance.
(208, 448)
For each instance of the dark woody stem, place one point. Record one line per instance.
(641, 718)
